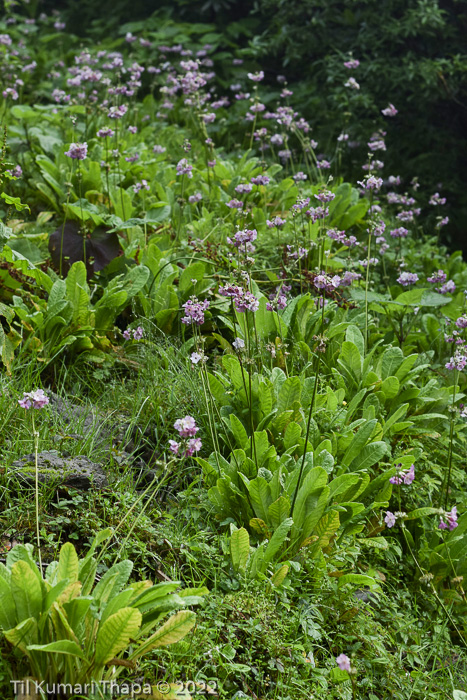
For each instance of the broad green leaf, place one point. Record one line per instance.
(23, 634)
(289, 393)
(421, 513)
(68, 564)
(115, 633)
(239, 549)
(172, 631)
(26, 590)
(64, 646)
(359, 580)
(7, 606)
(369, 455)
(360, 440)
(278, 578)
(239, 432)
(277, 540)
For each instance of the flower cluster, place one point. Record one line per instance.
(243, 299)
(407, 278)
(451, 518)
(194, 311)
(187, 430)
(458, 361)
(243, 238)
(34, 399)
(184, 168)
(403, 477)
(77, 151)
(137, 333)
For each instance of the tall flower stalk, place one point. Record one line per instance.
(35, 400)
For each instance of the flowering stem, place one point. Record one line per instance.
(451, 440)
(307, 433)
(182, 185)
(36, 464)
(366, 289)
(81, 210)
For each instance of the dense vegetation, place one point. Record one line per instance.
(233, 429)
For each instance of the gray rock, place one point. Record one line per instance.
(75, 472)
(367, 596)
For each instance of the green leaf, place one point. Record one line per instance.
(390, 387)
(350, 361)
(68, 564)
(172, 631)
(359, 441)
(277, 540)
(23, 634)
(115, 633)
(354, 335)
(15, 201)
(290, 392)
(391, 361)
(7, 606)
(369, 455)
(359, 580)
(239, 549)
(278, 578)
(64, 646)
(421, 513)
(376, 542)
(238, 431)
(26, 590)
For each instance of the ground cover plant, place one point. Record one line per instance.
(232, 390)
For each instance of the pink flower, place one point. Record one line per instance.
(193, 445)
(343, 662)
(186, 426)
(390, 519)
(33, 399)
(77, 151)
(174, 446)
(390, 111)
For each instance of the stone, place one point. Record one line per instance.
(75, 472)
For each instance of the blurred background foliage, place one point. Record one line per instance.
(412, 53)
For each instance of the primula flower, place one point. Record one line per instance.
(352, 63)
(261, 180)
(186, 427)
(451, 520)
(238, 344)
(403, 477)
(457, 362)
(400, 232)
(343, 662)
(352, 83)
(390, 519)
(34, 399)
(390, 111)
(105, 132)
(77, 151)
(194, 311)
(407, 278)
(138, 333)
(256, 77)
(437, 277)
(184, 168)
(436, 199)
